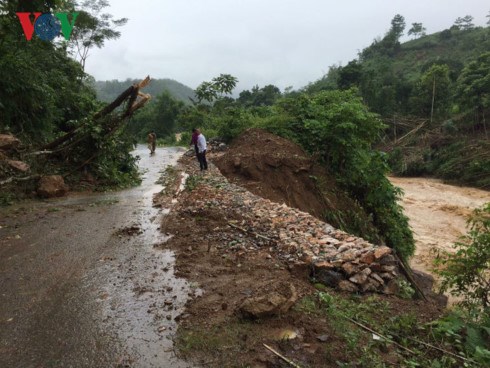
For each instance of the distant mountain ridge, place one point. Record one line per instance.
(107, 91)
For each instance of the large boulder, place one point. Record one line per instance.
(52, 186)
(269, 304)
(8, 142)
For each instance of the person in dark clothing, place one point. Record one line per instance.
(195, 134)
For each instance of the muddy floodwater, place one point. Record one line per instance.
(438, 213)
(84, 283)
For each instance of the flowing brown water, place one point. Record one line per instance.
(438, 213)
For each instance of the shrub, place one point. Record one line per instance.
(466, 273)
(338, 127)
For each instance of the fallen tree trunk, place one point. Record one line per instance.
(131, 95)
(16, 179)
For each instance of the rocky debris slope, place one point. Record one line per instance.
(296, 238)
(278, 169)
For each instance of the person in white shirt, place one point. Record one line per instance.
(201, 148)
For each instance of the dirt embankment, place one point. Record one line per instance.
(236, 249)
(278, 169)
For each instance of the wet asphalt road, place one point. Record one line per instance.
(76, 291)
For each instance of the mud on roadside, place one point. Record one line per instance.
(229, 267)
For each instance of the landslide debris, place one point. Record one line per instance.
(278, 169)
(251, 259)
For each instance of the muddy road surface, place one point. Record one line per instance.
(438, 213)
(82, 284)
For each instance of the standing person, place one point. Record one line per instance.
(201, 147)
(152, 142)
(195, 134)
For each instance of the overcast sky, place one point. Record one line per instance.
(281, 42)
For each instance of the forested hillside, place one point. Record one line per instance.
(108, 90)
(46, 102)
(433, 94)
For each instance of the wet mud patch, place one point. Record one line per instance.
(84, 285)
(132, 230)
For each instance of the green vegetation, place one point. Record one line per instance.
(45, 95)
(466, 272)
(192, 182)
(433, 93)
(159, 116)
(92, 29)
(369, 328)
(42, 91)
(465, 275)
(334, 126)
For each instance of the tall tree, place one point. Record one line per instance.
(418, 30)
(265, 96)
(218, 87)
(167, 110)
(93, 28)
(465, 23)
(398, 26)
(40, 90)
(350, 75)
(433, 93)
(474, 86)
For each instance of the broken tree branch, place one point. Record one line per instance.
(290, 362)
(409, 338)
(15, 180)
(131, 91)
(59, 141)
(407, 271)
(378, 334)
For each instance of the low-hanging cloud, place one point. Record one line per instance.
(286, 43)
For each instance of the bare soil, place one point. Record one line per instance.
(226, 266)
(278, 169)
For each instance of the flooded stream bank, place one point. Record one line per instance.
(438, 213)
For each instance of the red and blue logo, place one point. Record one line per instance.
(47, 26)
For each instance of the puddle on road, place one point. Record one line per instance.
(142, 297)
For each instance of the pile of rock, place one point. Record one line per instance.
(12, 170)
(217, 145)
(337, 259)
(8, 146)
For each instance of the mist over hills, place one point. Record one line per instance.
(107, 91)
